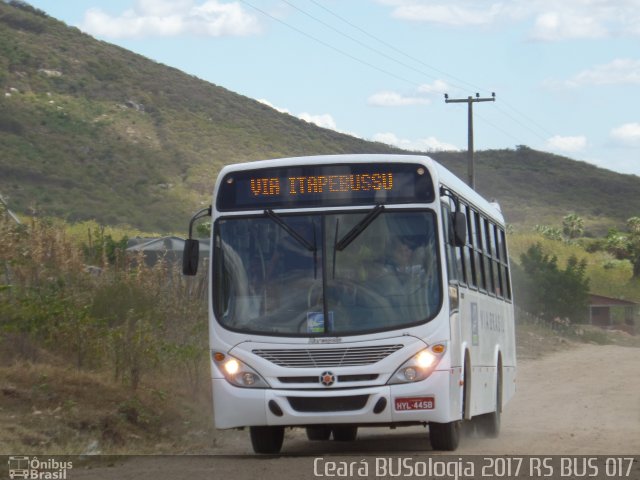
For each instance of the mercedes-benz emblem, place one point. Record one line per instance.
(327, 379)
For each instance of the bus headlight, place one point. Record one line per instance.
(238, 373)
(418, 367)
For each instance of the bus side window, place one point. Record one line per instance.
(497, 267)
(470, 255)
(477, 250)
(502, 245)
(463, 253)
(446, 231)
(454, 257)
(488, 264)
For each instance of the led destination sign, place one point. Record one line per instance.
(322, 184)
(325, 185)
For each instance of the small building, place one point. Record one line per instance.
(165, 248)
(609, 312)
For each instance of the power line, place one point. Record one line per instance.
(368, 47)
(395, 49)
(322, 42)
(475, 87)
(496, 127)
(529, 119)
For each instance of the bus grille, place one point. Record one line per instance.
(328, 404)
(339, 378)
(328, 357)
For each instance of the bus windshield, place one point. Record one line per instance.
(295, 275)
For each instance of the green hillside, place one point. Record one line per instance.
(89, 130)
(535, 187)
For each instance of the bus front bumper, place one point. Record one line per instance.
(424, 401)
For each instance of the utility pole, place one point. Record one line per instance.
(470, 101)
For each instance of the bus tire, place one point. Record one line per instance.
(444, 436)
(488, 425)
(344, 433)
(266, 439)
(318, 432)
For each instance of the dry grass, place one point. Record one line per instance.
(56, 410)
(111, 360)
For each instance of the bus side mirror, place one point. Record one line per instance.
(191, 252)
(459, 222)
(190, 257)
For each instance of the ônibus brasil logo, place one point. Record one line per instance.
(36, 469)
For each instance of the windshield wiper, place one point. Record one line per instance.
(352, 234)
(299, 238)
(290, 230)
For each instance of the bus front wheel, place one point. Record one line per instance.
(444, 436)
(266, 439)
(488, 424)
(318, 432)
(345, 433)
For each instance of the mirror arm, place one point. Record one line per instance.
(205, 212)
(459, 226)
(445, 192)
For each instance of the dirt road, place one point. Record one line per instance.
(584, 400)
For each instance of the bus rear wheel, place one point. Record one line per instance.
(266, 439)
(444, 436)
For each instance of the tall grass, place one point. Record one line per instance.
(117, 315)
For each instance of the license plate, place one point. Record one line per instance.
(415, 403)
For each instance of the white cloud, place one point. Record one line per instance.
(437, 87)
(171, 18)
(394, 99)
(552, 20)
(419, 97)
(449, 13)
(323, 120)
(269, 104)
(551, 26)
(617, 72)
(429, 144)
(627, 134)
(162, 7)
(567, 144)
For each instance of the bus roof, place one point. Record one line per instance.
(441, 174)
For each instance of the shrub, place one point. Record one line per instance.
(548, 291)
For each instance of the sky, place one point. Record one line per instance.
(566, 74)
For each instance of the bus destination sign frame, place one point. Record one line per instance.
(325, 186)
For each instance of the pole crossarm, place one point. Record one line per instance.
(469, 99)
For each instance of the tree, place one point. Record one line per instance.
(552, 233)
(572, 226)
(550, 292)
(626, 245)
(633, 226)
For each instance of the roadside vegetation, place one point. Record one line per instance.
(604, 264)
(99, 351)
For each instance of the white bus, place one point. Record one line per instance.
(356, 290)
